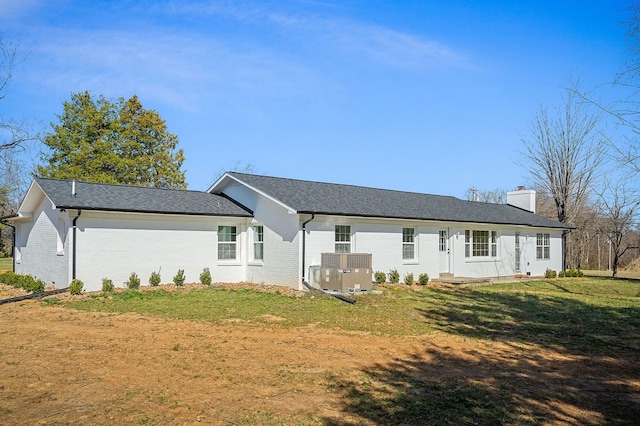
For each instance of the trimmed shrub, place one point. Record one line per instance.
(154, 279)
(408, 279)
(205, 276)
(380, 277)
(573, 273)
(550, 273)
(423, 279)
(179, 278)
(134, 281)
(76, 287)
(394, 276)
(107, 285)
(26, 282)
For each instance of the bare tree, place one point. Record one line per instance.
(239, 166)
(619, 208)
(13, 133)
(625, 86)
(564, 155)
(14, 136)
(496, 196)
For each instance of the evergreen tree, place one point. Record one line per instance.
(112, 142)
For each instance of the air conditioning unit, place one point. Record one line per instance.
(345, 272)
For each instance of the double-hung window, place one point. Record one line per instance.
(543, 246)
(227, 242)
(494, 243)
(343, 239)
(408, 244)
(258, 242)
(442, 241)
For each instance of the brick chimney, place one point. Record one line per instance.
(522, 198)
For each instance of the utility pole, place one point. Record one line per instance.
(598, 251)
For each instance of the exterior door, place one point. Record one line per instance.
(444, 250)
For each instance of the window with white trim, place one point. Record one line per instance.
(408, 244)
(543, 246)
(467, 243)
(442, 241)
(343, 239)
(494, 243)
(258, 242)
(227, 242)
(478, 243)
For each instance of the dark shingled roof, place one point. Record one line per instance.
(350, 200)
(105, 197)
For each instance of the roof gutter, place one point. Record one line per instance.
(73, 256)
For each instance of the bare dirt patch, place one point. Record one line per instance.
(62, 366)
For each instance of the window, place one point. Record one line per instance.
(442, 241)
(494, 243)
(227, 248)
(480, 243)
(408, 243)
(258, 242)
(343, 239)
(467, 243)
(543, 247)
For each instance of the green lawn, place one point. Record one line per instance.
(589, 313)
(6, 264)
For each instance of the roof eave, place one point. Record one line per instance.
(430, 219)
(173, 213)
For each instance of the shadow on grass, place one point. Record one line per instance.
(560, 323)
(522, 359)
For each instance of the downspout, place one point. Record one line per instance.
(73, 255)
(564, 248)
(304, 282)
(304, 234)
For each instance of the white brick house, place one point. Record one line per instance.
(250, 228)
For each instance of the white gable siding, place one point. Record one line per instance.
(113, 245)
(38, 244)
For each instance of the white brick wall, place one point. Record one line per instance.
(113, 245)
(36, 248)
(383, 239)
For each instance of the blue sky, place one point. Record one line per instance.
(425, 96)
